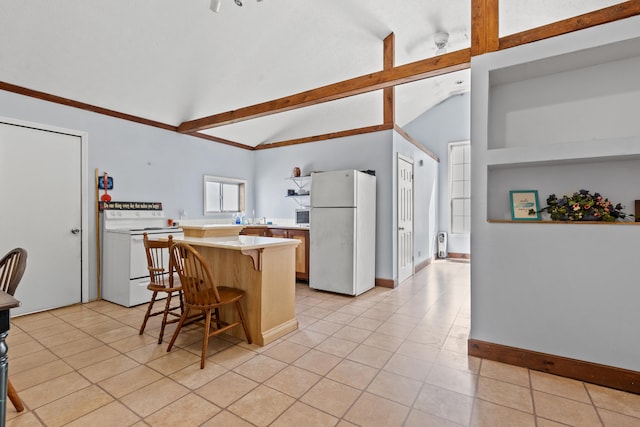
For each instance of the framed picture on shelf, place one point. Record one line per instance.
(524, 205)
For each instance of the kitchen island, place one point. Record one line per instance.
(264, 268)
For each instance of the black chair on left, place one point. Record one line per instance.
(12, 267)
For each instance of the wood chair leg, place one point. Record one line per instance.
(13, 396)
(148, 313)
(177, 331)
(244, 322)
(218, 320)
(205, 339)
(167, 306)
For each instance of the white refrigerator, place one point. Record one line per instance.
(342, 255)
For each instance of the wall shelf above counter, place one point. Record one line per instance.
(302, 191)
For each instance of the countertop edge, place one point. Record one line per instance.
(252, 242)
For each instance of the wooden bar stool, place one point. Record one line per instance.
(162, 281)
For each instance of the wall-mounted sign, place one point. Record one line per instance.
(131, 206)
(101, 183)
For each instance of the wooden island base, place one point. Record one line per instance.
(265, 269)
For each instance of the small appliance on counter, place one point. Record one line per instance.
(303, 216)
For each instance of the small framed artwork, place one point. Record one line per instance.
(524, 205)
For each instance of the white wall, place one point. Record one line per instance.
(449, 121)
(148, 164)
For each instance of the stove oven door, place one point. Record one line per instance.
(138, 258)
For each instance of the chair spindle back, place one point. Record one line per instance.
(12, 267)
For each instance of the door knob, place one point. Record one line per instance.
(75, 230)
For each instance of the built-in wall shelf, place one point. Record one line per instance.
(567, 152)
(562, 123)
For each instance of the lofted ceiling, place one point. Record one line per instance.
(172, 61)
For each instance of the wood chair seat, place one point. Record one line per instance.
(203, 296)
(227, 295)
(177, 286)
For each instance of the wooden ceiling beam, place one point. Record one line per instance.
(389, 93)
(326, 136)
(406, 73)
(616, 12)
(484, 26)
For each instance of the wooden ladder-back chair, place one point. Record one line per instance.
(201, 294)
(161, 281)
(12, 267)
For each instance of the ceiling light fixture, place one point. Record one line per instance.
(216, 4)
(441, 38)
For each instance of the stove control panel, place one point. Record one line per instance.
(115, 214)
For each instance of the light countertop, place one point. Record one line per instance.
(212, 230)
(296, 226)
(238, 242)
(213, 227)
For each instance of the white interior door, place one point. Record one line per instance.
(41, 191)
(405, 217)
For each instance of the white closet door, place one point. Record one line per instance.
(41, 197)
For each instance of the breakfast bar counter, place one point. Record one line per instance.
(264, 268)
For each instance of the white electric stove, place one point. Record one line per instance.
(124, 263)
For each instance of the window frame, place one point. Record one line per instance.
(224, 180)
(466, 218)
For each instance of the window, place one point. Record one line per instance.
(223, 195)
(460, 186)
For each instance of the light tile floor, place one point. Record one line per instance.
(386, 358)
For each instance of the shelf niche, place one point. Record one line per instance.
(616, 180)
(587, 95)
